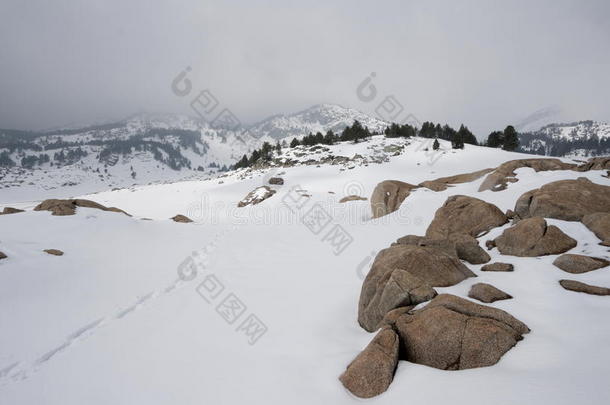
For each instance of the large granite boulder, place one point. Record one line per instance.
(276, 181)
(465, 215)
(388, 195)
(372, 371)
(533, 237)
(577, 286)
(505, 173)
(468, 249)
(451, 333)
(599, 224)
(595, 163)
(498, 266)
(444, 245)
(462, 246)
(577, 264)
(54, 252)
(487, 293)
(181, 218)
(256, 196)
(569, 200)
(10, 210)
(404, 275)
(442, 183)
(68, 207)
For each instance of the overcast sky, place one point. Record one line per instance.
(483, 63)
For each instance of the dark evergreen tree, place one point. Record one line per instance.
(511, 139)
(467, 136)
(457, 141)
(435, 145)
(240, 164)
(254, 157)
(329, 138)
(495, 139)
(294, 143)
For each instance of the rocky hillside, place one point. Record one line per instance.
(583, 138)
(149, 148)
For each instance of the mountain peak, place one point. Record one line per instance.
(319, 117)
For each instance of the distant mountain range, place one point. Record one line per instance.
(153, 147)
(176, 141)
(583, 138)
(322, 118)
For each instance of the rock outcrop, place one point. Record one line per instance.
(10, 210)
(465, 215)
(451, 333)
(595, 163)
(577, 264)
(577, 286)
(505, 173)
(533, 237)
(468, 249)
(443, 183)
(54, 252)
(256, 196)
(444, 245)
(498, 266)
(487, 293)
(405, 275)
(352, 198)
(570, 200)
(372, 371)
(181, 218)
(3, 256)
(388, 195)
(277, 181)
(68, 207)
(599, 224)
(462, 246)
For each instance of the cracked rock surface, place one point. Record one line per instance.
(405, 275)
(533, 237)
(372, 371)
(577, 264)
(487, 293)
(461, 214)
(451, 333)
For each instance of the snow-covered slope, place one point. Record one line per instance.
(583, 138)
(122, 318)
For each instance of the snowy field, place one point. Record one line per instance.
(121, 318)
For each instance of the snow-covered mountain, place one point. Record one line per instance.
(147, 148)
(321, 117)
(583, 138)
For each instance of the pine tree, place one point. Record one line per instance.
(436, 145)
(511, 138)
(254, 157)
(240, 164)
(457, 142)
(294, 143)
(329, 138)
(467, 136)
(495, 139)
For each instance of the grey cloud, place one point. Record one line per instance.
(483, 63)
